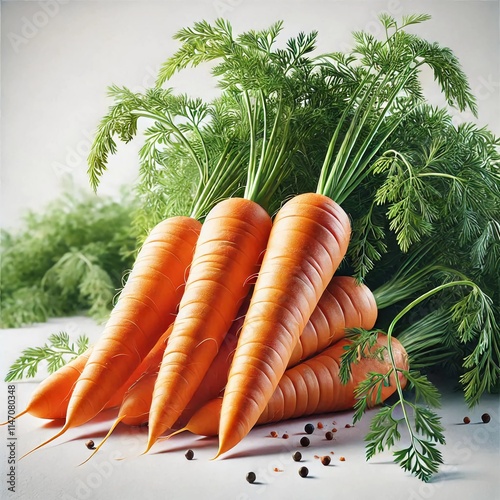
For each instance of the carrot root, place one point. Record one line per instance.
(15, 417)
(113, 427)
(60, 433)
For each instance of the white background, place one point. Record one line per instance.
(59, 57)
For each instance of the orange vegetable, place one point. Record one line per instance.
(309, 238)
(144, 311)
(344, 304)
(312, 387)
(50, 398)
(227, 254)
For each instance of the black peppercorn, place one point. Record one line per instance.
(251, 477)
(485, 417)
(305, 441)
(309, 428)
(303, 472)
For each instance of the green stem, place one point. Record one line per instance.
(169, 123)
(390, 330)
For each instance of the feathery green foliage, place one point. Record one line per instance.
(67, 259)
(56, 353)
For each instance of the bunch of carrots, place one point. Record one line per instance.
(214, 338)
(236, 315)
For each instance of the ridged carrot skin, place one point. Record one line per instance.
(150, 364)
(134, 409)
(227, 256)
(344, 304)
(309, 239)
(146, 307)
(312, 387)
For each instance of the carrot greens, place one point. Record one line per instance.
(56, 353)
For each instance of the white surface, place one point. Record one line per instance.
(470, 469)
(59, 57)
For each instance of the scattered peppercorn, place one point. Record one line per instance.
(251, 477)
(189, 454)
(485, 417)
(274, 434)
(329, 435)
(303, 472)
(466, 420)
(334, 429)
(320, 425)
(276, 469)
(348, 426)
(342, 459)
(325, 460)
(285, 436)
(90, 444)
(305, 441)
(309, 428)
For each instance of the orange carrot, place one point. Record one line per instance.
(50, 398)
(135, 401)
(312, 387)
(344, 304)
(144, 311)
(227, 254)
(309, 238)
(134, 409)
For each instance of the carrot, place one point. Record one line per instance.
(227, 255)
(215, 379)
(344, 304)
(144, 311)
(135, 401)
(313, 387)
(134, 409)
(308, 240)
(50, 398)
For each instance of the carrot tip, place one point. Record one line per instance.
(164, 438)
(113, 427)
(60, 433)
(15, 417)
